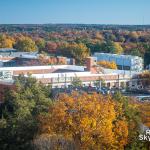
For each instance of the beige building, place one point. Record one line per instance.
(63, 75)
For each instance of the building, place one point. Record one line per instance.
(6, 52)
(124, 62)
(14, 58)
(63, 75)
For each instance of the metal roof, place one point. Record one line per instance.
(15, 53)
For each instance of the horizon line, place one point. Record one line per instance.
(107, 24)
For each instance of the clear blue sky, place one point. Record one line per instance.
(75, 11)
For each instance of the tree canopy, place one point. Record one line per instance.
(91, 121)
(6, 41)
(26, 44)
(19, 114)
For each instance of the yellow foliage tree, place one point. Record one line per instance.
(26, 44)
(77, 51)
(118, 48)
(6, 41)
(86, 119)
(107, 64)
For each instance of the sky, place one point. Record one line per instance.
(75, 11)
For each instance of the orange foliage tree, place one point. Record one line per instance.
(91, 121)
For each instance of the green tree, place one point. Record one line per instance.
(19, 113)
(135, 52)
(76, 82)
(95, 47)
(112, 47)
(108, 47)
(147, 57)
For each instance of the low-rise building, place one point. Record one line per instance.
(63, 75)
(14, 58)
(124, 62)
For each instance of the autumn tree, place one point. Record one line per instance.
(121, 38)
(6, 41)
(77, 51)
(26, 44)
(118, 48)
(133, 36)
(107, 64)
(99, 36)
(50, 46)
(91, 121)
(40, 44)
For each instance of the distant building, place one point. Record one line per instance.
(7, 52)
(124, 62)
(14, 58)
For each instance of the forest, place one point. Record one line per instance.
(78, 41)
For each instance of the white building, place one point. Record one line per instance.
(62, 75)
(124, 62)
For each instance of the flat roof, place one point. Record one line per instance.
(116, 55)
(70, 67)
(3, 50)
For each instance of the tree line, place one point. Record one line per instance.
(79, 43)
